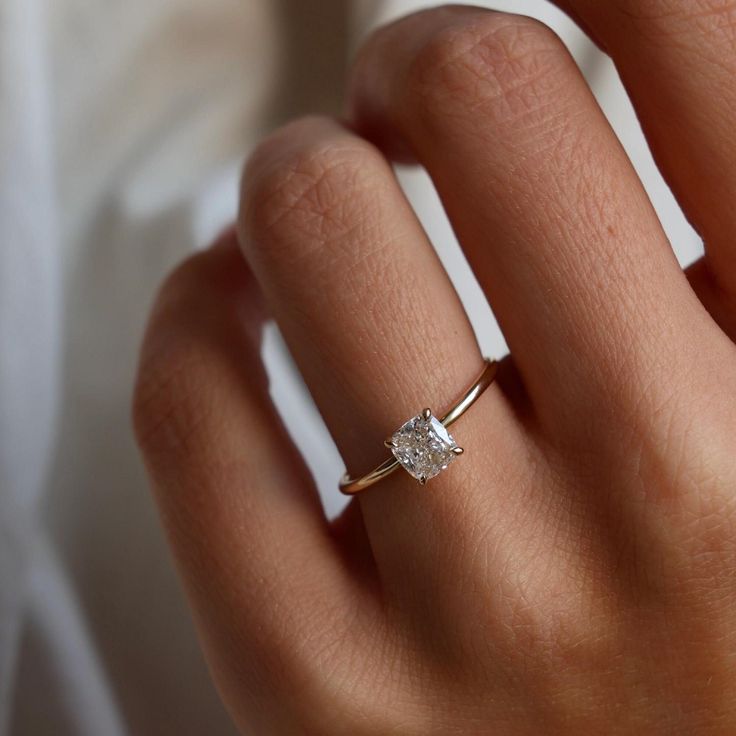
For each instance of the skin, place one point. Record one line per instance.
(575, 571)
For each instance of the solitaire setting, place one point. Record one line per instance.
(423, 446)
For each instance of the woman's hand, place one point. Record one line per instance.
(575, 572)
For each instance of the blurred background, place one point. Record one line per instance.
(123, 125)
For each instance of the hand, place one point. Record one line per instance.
(575, 571)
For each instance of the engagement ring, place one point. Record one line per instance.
(423, 446)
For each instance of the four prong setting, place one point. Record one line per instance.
(423, 446)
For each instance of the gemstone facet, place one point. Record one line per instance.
(423, 446)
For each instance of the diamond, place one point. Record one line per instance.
(423, 446)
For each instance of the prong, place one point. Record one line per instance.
(422, 481)
(389, 443)
(458, 450)
(427, 413)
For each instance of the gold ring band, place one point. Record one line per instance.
(422, 446)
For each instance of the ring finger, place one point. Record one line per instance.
(369, 314)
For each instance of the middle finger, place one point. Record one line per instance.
(546, 204)
(677, 59)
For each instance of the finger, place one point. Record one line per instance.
(369, 314)
(544, 201)
(270, 590)
(677, 59)
(719, 301)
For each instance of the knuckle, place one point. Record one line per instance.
(685, 460)
(308, 194)
(573, 626)
(694, 474)
(505, 63)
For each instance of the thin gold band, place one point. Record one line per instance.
(350, 486)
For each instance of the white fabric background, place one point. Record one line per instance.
(122, 124)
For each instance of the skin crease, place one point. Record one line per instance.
(575, 571)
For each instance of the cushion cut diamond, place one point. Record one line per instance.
(423, 447)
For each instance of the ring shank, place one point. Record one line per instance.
(350, 486)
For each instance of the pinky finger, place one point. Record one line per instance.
(268, 582)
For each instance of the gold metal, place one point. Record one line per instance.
(350, 486)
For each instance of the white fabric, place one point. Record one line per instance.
(121, 128)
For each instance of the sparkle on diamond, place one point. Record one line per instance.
(423, 447)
